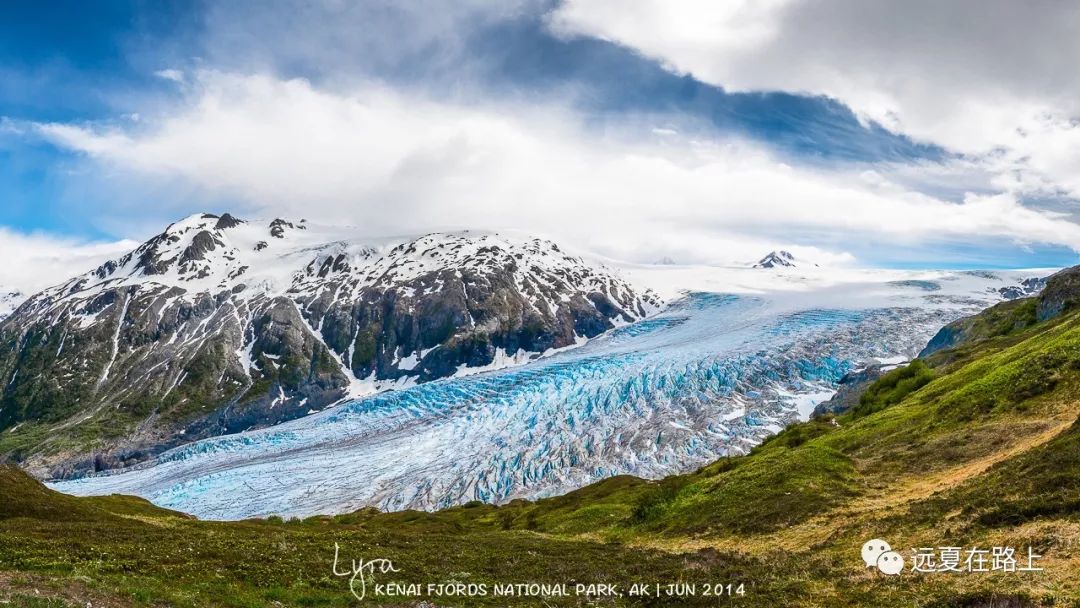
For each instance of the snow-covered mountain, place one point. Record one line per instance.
(1025, 288)
(218, 325)
(781, 259)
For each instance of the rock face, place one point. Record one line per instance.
(1027, 287)
(218, 325)
(849, 390)
(1061, 294)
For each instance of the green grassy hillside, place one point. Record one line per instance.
(978, 447)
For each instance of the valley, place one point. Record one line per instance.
(984, 453)
(710, 377)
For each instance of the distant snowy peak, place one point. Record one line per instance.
(782, 259)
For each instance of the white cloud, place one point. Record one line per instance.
(35, 261)
(993, 79)
(337, 40)
(171, 75)
(397, 163)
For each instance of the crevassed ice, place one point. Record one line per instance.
(711, 376)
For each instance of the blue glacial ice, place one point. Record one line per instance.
(711, 376)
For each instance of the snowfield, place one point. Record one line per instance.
(712, 375)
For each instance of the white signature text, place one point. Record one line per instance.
(361, 571)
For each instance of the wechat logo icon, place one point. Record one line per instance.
(878, 554)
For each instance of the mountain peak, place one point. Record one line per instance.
(224, 325)
(204, 221)
(193, 221)
(227, 221)
(777, 259)
(783, 259)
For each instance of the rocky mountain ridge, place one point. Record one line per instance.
(218, 325)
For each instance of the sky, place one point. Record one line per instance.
(873, 133)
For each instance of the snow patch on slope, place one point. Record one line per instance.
(10, 299)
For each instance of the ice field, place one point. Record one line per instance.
(710, 376)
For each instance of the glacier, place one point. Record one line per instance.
(711, 376)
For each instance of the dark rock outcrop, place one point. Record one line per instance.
(849, 390)
(1027, 287)
(1061, 294)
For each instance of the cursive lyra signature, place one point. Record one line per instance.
(361, 570)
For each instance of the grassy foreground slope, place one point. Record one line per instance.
(979, 447)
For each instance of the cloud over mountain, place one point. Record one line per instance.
(961, 75)
(394, 162)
